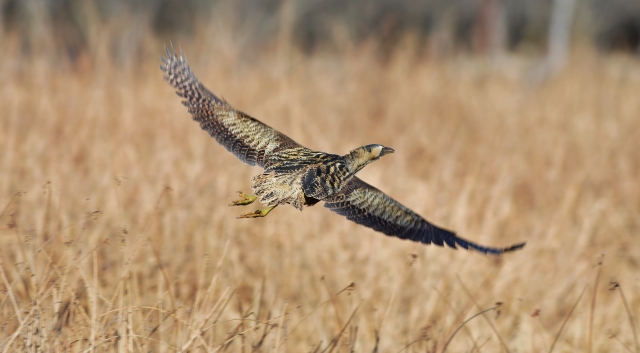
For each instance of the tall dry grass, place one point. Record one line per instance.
(116, 235)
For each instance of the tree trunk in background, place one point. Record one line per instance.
(2, 22)
(560, 33)
(490, 35)
(37, 26)
(287, 19)
(558, 41)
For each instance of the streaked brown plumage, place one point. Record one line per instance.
(296, 175)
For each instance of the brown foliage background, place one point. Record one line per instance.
(116, 235)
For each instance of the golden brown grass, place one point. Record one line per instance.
(116, 236)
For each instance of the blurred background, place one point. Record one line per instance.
(440, 28)
(512, 121)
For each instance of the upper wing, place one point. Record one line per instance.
(366, 205)
(245, 137)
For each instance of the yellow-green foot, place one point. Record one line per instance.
(243, 200)
(258, 213)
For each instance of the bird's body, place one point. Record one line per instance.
(299, 176)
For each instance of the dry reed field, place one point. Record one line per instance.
(115, 233)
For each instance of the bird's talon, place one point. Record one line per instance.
(257, 213)
(244, 199)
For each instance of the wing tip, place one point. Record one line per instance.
(172, 57)
(514, 247)
(497, 251)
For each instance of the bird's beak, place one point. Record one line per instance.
(387, 150)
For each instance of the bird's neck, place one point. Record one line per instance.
(356, 160)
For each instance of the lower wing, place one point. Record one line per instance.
(370, 207)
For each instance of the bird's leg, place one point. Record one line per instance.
(243, 200)
(258, 213)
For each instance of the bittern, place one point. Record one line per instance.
(299, 176)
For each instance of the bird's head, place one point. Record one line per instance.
(376, 151)
(361, 156)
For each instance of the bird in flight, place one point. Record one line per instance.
(299, 176)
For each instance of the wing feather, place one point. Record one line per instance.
(370, 207)
(247, 138)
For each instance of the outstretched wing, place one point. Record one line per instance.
(370, 207)
(245, 137)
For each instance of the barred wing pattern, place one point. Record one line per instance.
(247, 138)
(370, 207)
